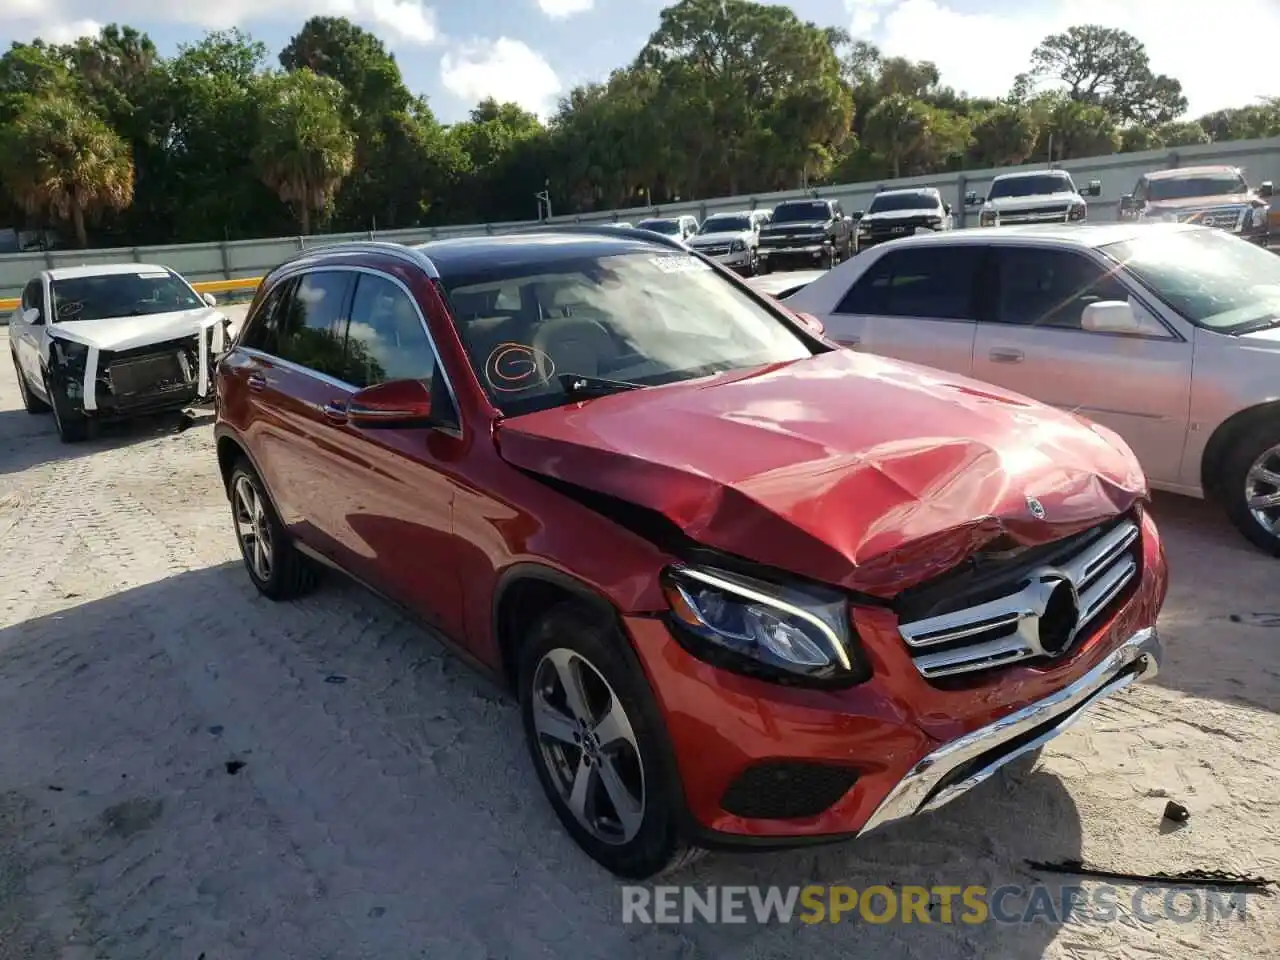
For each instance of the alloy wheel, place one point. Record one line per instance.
(588, 746)
(252, 528)
(1262, 490)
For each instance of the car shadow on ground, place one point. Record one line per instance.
(384, 798)
(28, 440)
(1218, 642)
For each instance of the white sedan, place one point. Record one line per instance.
(111, 341)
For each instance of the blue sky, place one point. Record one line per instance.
(532, 51)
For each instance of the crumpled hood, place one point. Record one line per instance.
(124, 333)
(1033, 201)
(846, 468)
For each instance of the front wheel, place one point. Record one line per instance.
(1251, 487)
(30, 402)
(593, 733)
(72, 425)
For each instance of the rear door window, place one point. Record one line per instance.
(932, 282)
(262, 329)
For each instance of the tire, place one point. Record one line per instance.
(765, 267)
(572, 641)
(829, 259)
(72, 425)
(30, 402)
(1252, 469)
(279, 572)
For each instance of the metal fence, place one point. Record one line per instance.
(247, 259)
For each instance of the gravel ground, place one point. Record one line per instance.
(190, 771)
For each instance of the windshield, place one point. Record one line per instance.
(725, 223)
(801, 210)
(1213, 279)
(1207, 185)
(1031, 186)
(669, 227)
(902, 201)
(121, 295)
(642, 318)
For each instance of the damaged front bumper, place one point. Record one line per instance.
(957, 767)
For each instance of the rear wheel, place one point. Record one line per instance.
(1250, 487)
(593, 733)
(274, 564)
(30, 402)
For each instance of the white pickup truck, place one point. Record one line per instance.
(1033, 196)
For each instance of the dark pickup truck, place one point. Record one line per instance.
(806, 233)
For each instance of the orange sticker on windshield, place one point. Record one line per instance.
(512, 367)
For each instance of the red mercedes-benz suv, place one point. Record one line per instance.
(750, 588)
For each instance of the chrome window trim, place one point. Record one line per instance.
(411, 255)
(301, 269)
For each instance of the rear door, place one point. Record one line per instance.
(1032, 342)
(915, 303)
(292, 373)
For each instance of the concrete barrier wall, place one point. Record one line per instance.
(252, 258)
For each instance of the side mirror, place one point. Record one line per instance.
(396, 403)
(31, 317)
(1094, 189)
(1118, 316)
(1267, 190)
(809, 321)
(971, 199)
(210, 299)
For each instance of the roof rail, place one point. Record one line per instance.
(399, 250)
(608, 230)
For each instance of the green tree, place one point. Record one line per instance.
(1109, 68)
(1181, 133)
(305, 149)
(1072, 129)
(335, 47)
(1136, 139)
(1005, 135)
(59, 158)
(913, 136)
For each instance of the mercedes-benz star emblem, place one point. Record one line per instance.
(1049, 626)
(1036, 508)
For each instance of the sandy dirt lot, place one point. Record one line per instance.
(189, 771)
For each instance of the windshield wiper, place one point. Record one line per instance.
(578, 386)
(1253, 326)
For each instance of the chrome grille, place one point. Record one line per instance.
(1224, 218)
(713, 249)
(1037, 215)
(1017, 626)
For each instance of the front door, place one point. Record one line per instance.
(392, 516)
(915, 304)
(1033, 343)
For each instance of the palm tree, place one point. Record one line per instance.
(59, 158)
(305, 149)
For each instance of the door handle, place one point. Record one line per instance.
(1005, 355)
(256, 382)
(335, 412)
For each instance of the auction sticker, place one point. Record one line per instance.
(679, 263)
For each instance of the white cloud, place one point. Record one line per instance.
(505, 69)
(409, 22)
(67, 31)
(1204, 45)
(558, 9)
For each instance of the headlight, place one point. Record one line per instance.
(1078, 211)
(1260, 216)
(864, 227)
(987, 218)
(69, 354)
(780, 633)
(737, 246)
